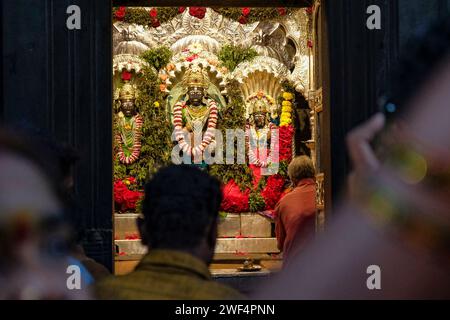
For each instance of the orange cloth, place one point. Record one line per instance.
(295, 217)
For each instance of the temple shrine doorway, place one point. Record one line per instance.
(255, 70)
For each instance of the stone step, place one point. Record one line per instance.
(125, 225)
(245, 224)
(238, 247)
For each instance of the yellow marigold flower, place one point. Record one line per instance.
(286, 103)
(156, 104)
(288, 96)
(287, 109)
(286, 114)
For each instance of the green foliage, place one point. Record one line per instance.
(256, 14)
(158, 57)
(156, 132)
(288, 86)
(283, 169)
(233, 118)
(142, 17)
(231, 56)
(223, 215)
(165, 14)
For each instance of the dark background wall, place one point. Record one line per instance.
(359, 63)
(416, 14)
(60, 80)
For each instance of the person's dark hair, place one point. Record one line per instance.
(424, 53)
(301, 168)
(180, 206)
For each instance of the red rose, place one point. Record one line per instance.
(155, 23)
(282, 11)
(126, 76)
(130, 198)
(242, 20)
(310, 44)
(273, 191)
(119, 189)
(192, 58)
(120, 13)
(181, 9)
(198, 12)
(245, 11)
(285, 145)
(153, 13)
(309, 10)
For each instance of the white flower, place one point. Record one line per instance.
(196, 48)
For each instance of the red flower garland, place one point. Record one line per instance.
(285, 135)
(273, 191)
(181, 9)
(234, 200)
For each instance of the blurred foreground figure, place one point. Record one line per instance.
(33, 237)
(391, 237)
(296, 212)
(181, 210)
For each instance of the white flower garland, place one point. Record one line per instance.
(252, 136)
(136, 149)
(208, 136)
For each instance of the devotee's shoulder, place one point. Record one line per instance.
(212, 290)
(136, 287)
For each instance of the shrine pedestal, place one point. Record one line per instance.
(241, 236)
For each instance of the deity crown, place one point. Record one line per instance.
(196, 77)
(127, 92)
(259, 104)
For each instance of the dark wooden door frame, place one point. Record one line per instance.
(357, 70)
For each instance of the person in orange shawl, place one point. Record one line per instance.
(295, 212)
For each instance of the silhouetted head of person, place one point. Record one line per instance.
(180, 209)
(301, 168)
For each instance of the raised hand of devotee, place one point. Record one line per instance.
(358, 143)
(360, 150)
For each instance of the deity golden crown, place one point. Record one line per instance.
(196, 77)
(259, 103)
(127, 92)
